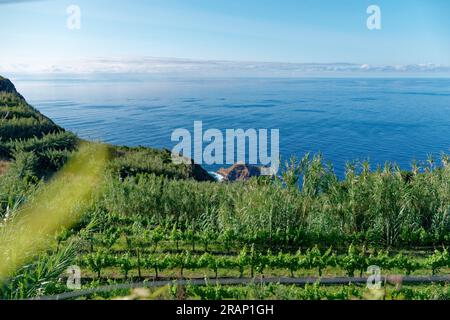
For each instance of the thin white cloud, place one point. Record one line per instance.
(187, 67)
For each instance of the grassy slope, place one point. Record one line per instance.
(20, 123)
(34, 147)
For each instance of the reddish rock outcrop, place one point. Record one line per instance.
(240, 172)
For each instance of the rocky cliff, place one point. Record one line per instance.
(239, 172)
(7, 86)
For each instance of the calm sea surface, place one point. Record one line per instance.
(345, 119)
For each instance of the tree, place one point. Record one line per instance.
(176, 236)
(156, 263)
(97, 261)
(125, 264)
(156, 236)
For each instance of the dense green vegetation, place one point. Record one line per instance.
(154, 219)
(383, 208)
(19, 120)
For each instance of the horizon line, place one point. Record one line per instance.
(151, 65)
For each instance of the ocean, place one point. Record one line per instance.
(346, 119)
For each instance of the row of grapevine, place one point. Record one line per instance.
(308, 292)
(257, 262)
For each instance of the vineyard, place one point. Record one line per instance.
(151, 220)
(255, 263)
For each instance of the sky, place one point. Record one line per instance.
(35, 37)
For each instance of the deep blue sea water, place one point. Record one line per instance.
(345, 119)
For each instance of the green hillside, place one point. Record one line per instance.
(34, 147)
(18, 119)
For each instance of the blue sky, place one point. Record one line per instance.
(299, 31)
